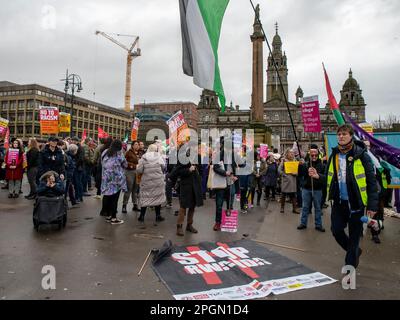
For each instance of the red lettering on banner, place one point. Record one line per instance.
(245, 269)
(210, 278)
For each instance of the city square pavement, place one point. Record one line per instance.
(96, 260)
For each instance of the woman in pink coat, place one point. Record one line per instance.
(14, 169)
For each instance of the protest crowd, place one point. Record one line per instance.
(146, 178)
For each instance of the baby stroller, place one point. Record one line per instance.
(50, 206)
(50, 210)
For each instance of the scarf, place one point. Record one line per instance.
(346, 148)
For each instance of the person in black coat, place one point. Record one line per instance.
(33, 159)
(190, 195)
(51, 159)
(78, 179)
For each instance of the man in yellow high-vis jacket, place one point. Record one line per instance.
(351, 185)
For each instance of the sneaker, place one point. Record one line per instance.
(168, 206)
(243, 211)
(217, 226)
(116, 221)
(140, 219)
(135, 208)
(97, 196)
(320, 229)
(108, 219)
(11, 195)
(301, 227)
(78, 201)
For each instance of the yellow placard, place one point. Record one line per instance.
(64, 122)
(291, 167)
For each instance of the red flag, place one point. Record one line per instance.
(7, 139)
(102, 133)
(332, 100)
(83, 136)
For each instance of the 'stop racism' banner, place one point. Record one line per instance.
(238, 270)
(48, 117)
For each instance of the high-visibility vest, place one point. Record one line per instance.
(359, 174)
(384, 181)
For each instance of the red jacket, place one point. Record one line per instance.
(18, 172)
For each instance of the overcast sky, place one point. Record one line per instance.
(39, 40)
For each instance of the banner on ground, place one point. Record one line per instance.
(229, 223)
(64, 122)
(3, 126)
(310, 114)
(135, 129)
(238, 270)
(13, 157)
(48, 117)
(178, 129)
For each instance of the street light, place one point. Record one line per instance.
(72, 81)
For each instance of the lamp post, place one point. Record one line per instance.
(72, 81)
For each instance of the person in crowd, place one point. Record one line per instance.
(88, 155)
(79, 172)
(260, 169)
(227, 170)
(105, 143)
(32, 157)
(2, 163)
(50, 185)
(169, 183)
(270, 178)
(190, 193)
(142, 149)
(276, 154)
(352, 187)
(313, 174)
(51, 159)
(132, 158)
(288, 183)
(69, 171)
(14, 169)
(152, 184)
(113, 180)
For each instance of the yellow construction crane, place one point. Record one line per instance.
(131, 55)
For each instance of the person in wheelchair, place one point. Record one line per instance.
(50, 185)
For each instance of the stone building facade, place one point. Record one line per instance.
(275, 113)
(20, 105)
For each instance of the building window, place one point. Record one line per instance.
(37, 130)
(276, 117)
(4, 105)
(28, 130)
(13, 105)
(20, 129)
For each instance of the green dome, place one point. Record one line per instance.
(351, 83)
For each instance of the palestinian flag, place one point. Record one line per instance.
(332, 101)
(201, 22)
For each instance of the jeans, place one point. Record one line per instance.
(132, 187)
(78, 184)
(308, 201)
(168, 190)
(14, 186)
(221, 195)
(340, 218)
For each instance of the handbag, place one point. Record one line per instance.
(215, 181)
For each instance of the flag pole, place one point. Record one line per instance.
(279, 77)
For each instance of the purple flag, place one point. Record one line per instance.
(378, 148)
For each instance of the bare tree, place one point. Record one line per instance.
(387, 122)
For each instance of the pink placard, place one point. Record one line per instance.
(311, 118)
(264, 151)
(229, 223)
(13, 155)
